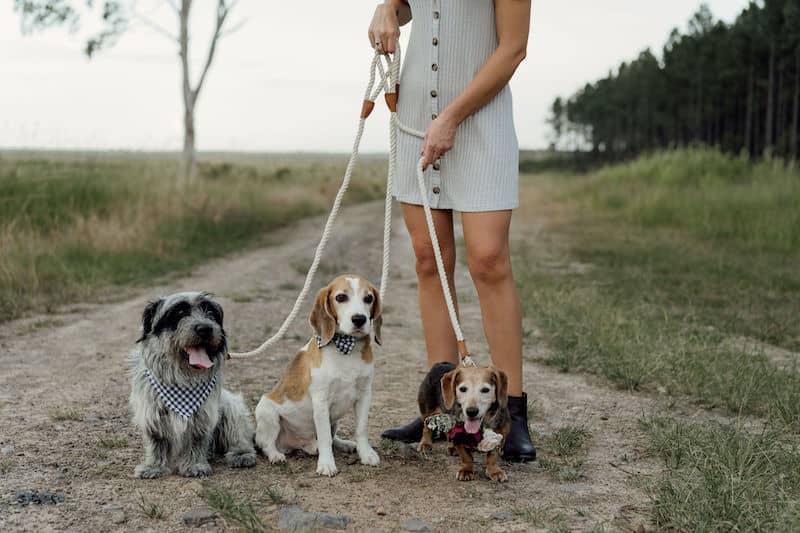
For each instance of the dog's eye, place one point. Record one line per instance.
(485, 390)
(368, 299)
(462, 388)
(341, 298)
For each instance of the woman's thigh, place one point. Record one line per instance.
(414, 216)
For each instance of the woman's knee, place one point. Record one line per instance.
(489, 265)
(426, 260)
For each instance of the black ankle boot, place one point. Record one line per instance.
(411, 432)
(518, 447)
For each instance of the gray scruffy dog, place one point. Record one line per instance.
(177, 398)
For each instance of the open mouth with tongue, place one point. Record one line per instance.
(472, 426)
(198, 357)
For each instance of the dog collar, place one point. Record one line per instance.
(343, 343)
(184, 402)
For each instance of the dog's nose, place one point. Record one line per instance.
(203, 330)
(359, 320)
(472, 412)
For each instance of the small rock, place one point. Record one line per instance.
(296, 519)
(112, 508)
(7, 450)
(43, 497)
(118, 517)
(415, 524)
(502, 516)
(380, 511)
(406, 450)
(198, 517)
(92, 419)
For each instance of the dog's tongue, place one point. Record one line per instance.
(472, 426)
(199, 358)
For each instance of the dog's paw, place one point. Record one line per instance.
(196, 470)
(276, 457)
(424, 447)
(148, 471)
(344, 446)
(369, 457)
(497, 474)
(465, 474)
(243, 460)
(326, 467)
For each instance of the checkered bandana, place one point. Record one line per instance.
(184, 402)
(344, 343)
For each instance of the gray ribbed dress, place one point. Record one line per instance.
(450, 41)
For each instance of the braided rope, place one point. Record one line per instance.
(388, 79)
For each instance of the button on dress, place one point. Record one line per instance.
(449, 43)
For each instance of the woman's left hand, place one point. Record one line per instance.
(439, 139)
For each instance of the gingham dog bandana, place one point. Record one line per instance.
(344, 343)
(184, 402)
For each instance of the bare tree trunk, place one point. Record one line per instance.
(188, 166)
(769, 126)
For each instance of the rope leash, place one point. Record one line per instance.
(388, 83)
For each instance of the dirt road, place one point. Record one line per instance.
(64, 424)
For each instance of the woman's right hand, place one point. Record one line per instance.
(384, 30)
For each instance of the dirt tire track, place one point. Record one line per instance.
(73, 364)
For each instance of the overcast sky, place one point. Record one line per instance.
(291, 79)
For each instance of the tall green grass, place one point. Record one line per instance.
(669, 289)
(72, 225)
(713, 196)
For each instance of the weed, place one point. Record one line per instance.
(64, 414)
(235, 509)
(275, 495)
(150, 510)
(535, 515)
(5, 465)
(113, 442)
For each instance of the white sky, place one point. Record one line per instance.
(291, 79)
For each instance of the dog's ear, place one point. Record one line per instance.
(375, 314)
(500, 380)
(449, 382)
(147, 318)
(322, 319)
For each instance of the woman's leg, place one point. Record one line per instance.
(440, 340)
(489, 261)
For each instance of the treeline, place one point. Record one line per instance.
(735, 86)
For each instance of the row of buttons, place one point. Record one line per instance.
(435, 178)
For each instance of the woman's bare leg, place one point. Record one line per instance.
(440, 340)
(489, 260)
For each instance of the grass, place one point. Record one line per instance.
(5, 465)
(275, 495)
(662, 301)
(112, 442)
(235, 509)
(149, 509)
(564, 453)
(73, 225)
(658, 269)
(723, 478)
(63, 415)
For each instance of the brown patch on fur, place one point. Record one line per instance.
(297, 376)
(366, 352)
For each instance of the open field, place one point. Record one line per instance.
(73, 225)
(661, 345)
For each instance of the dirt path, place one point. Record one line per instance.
(63, 394)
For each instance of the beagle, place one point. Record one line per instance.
(477, 397)
(330, 376)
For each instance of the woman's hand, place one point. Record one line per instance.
(439, 139)
(384, 30)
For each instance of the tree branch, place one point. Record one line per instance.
(223, 10)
